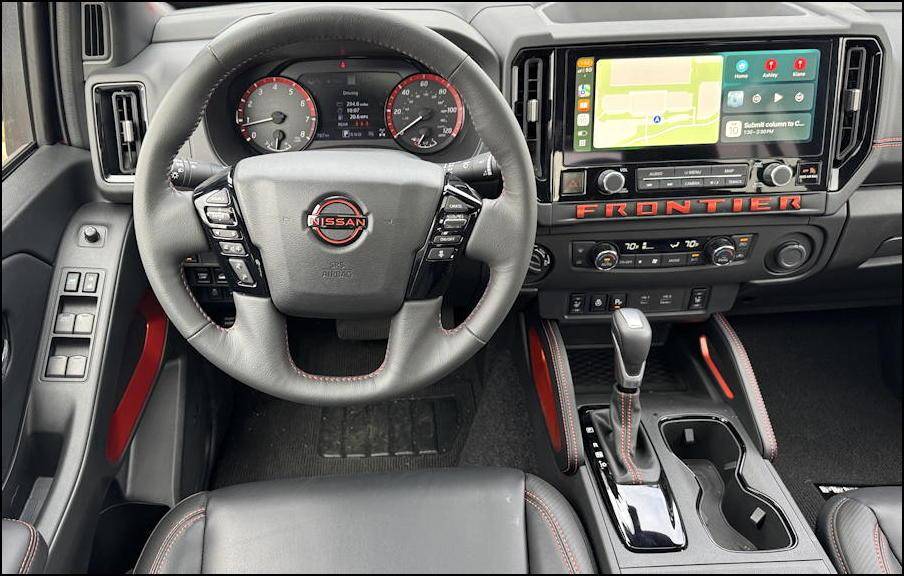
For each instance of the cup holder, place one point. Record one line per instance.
(736, 517)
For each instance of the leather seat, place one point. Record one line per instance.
(861, 530)
(24, 549)
(452, 520)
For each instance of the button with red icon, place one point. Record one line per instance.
(771, 65)
(800, 64)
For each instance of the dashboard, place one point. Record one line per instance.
(364, 101)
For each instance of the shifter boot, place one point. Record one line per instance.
(627, 447)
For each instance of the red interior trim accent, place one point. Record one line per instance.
(713, 369)
(125, 417)
(543, 384)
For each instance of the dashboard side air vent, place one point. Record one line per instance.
(94, 31)
(532, 104)
(120, 121)
(860, 71)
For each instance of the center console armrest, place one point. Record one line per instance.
(24, 549)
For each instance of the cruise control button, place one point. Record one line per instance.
(453, 205)
(219, 198)
(76, 367)
(220, 277)
(220, 216)
(451, 239)
(72, 279)
(241, 271)
(454, 221)
(202, 276)
(441, 254)
(233, 248)
(225, 233)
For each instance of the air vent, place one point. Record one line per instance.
(860, 74)
(532, 104)
(94, 31)
(120, 122)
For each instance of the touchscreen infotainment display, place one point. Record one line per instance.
(718, 98)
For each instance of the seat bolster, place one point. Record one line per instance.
(177, 544)
(861, 531)
(555, 539)
(24, 549)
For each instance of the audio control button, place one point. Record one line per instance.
(777, 174)
(610, 181)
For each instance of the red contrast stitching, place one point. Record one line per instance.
(833, 532)
(187, 521)
(565, 400)
(747, 366)
(540, 505)
(320, 378)
(31, 549)
(878, 546)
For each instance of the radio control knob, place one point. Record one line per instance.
(610, 181)
(777, 174)
(605, 256)
(721, 251)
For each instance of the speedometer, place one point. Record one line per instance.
(276, 114)
(424, 113)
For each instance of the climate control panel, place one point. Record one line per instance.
(616, 255)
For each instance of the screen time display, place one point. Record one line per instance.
(727, 97)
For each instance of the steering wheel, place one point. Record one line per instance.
(333, 233)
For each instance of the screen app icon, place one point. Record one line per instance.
(735, 99)
(733, 128)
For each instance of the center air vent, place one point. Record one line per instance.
(860, 74)
(532, 103)
(120, 122)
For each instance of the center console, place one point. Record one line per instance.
(671, 173)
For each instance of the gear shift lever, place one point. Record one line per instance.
(627, 449)
(632, 335)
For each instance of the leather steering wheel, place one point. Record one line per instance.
(399, 198)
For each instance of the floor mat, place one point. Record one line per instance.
(464, 420)
(836, 420)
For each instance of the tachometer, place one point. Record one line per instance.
(276, 114)
(424, 113)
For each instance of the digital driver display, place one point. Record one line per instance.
(725, 97)
(351, 103)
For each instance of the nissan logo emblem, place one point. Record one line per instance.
(337, 220)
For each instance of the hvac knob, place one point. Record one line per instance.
(610, 181)
(721, 251)
(777, 174)
(604, 256)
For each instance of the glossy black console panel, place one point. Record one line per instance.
(645, 515)
(736, 517)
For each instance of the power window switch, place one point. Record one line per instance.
(56, 366)
(84, 324)
(65, 323)
(71, 284)
(76, 367)
(90, 283)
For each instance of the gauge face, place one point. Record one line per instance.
(276, 114)
(424, 113)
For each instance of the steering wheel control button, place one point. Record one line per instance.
(218, 198)
(90, 283)
(453, 205)
(240, 268)
(454, 221)
(224, 216)
(446, 240)
(72, 280)
(233, 249)
(441, 254)
(65, 323)
(226, 233)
